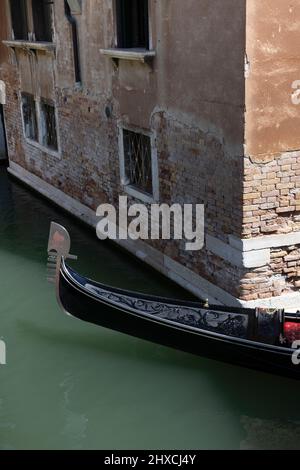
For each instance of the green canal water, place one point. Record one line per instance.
(70, 385)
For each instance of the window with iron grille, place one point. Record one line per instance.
(132, 24)
(31, 20)
(29, 116)
(138, 161)
(48, 125)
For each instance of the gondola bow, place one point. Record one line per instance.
(255, 338)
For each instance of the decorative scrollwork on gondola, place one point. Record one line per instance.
(220, 322)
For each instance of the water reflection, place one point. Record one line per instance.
(264, 434)
(75, 426)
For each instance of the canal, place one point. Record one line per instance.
(70, 385)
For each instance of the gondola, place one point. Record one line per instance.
(259, 338)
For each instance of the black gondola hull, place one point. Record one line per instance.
(79, 303)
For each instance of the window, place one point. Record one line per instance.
(138, 161)
(48, 125)
(73, 24)
(19, 19)
(31, 20)
(132, 24)
(42, 21)
(29, 117)
(40, 122)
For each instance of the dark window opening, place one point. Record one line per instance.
(132, 24)
(3, 142)
(19, 19)
(32, 19)
(29, 116)
(138, 161)
(42, 20)
(73, 24)
(48, 125)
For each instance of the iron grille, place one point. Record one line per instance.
(49, 131)
(29, 116)
(138, 162)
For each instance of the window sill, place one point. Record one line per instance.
(138, 55)
(29, 45)
(132, 191)
(53, 153)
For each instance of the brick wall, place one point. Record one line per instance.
(271, 195)
(272, 206)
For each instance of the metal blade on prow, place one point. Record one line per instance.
(59, 241)
(59, 245)
(51, 271)
(51, 265)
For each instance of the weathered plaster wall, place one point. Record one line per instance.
(273, 34)
(272, 142)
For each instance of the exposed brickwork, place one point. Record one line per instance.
(272, 206)
(272, 195)
(281, 276)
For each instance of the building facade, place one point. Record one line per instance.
(171, 102)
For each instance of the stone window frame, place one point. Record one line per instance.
(137, 55)
(39, 144)
(127, 187)
(30, 24)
